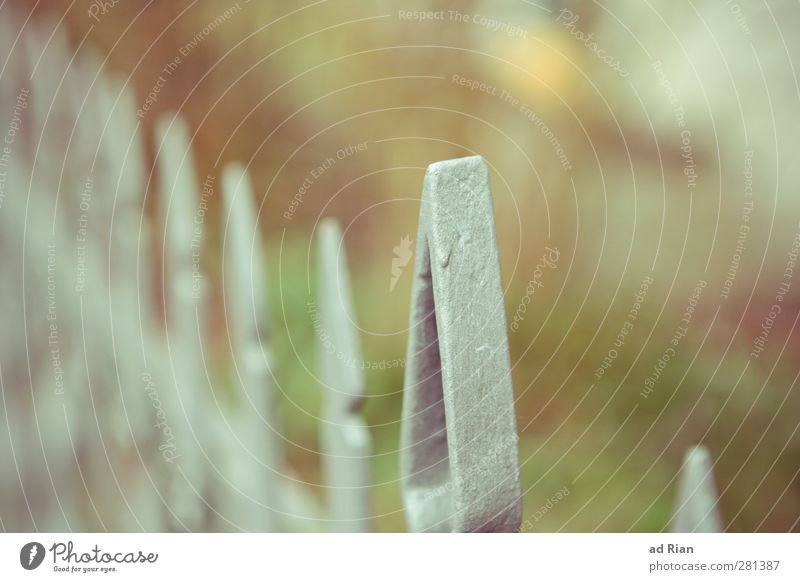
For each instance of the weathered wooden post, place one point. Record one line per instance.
(186, 400)
(254, 461)
(459, 460)
(697, 506)
(346, 443)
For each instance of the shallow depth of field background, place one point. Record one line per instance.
(284, 86)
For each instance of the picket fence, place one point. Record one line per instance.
(113, 420)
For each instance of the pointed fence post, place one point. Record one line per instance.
(38, 413)
(255, 460)
(697, 506)
(459, 458)
(346, 443)
(134, 318)
(186, 400)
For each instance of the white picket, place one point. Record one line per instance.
(253, 497)
(186, 396)
(345, 440)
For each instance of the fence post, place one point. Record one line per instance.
(696, 508)
(346, 443)
(458, 453)
(132, 318)
(186, 399)
(32, 234)
(255, 458)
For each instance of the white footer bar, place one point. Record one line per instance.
(402, 557)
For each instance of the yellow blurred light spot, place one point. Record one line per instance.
(544, 65)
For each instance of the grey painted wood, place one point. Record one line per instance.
(459, 456)
(346, 444)
(697, 507)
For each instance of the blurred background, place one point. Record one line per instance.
(645, 177)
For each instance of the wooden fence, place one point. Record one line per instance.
(113, 420)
